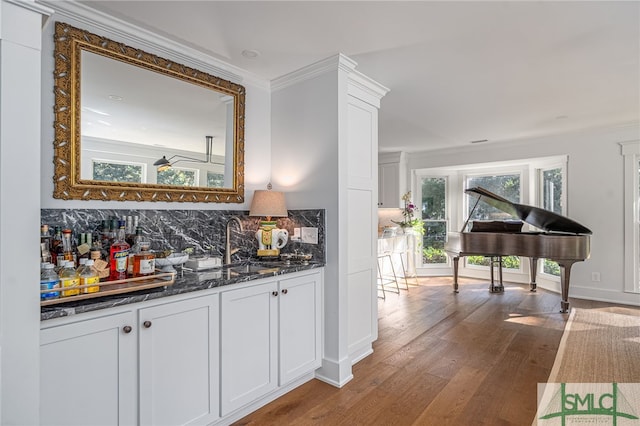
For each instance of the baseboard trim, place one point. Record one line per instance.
(272, 396)
(335, 373)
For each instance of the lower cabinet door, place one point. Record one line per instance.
(248, 344)
(88, 372)
(300, 339)
(179, 362)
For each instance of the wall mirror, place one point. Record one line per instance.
(130, 125)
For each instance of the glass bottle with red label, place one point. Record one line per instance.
(119, 255)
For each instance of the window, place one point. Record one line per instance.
(631, 153)
(505, 185)
(117, 171)
(181, 177)
(215, 180)
(551, 196)
(434, 208)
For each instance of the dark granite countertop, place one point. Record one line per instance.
(185, 283)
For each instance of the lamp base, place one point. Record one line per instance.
(269, 253)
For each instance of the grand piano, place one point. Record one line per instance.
(560, 239)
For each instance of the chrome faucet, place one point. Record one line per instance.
(228, 252)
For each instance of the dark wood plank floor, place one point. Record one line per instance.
(474, 358)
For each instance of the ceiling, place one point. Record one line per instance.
(457, 71)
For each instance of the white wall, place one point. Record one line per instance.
(595, 183)
(257, 109)
(305, 166)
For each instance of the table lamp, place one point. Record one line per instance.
(268, 204)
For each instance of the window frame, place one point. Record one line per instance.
(457, 200)
(539, 170)
(631, 152)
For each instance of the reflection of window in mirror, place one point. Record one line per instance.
(215, 180)
(118, 171)
(175, 176)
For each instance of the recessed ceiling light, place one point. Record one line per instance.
(480, 141)
(115, 97)
(250, 53)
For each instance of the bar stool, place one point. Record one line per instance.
(385, 279)
(401, 249)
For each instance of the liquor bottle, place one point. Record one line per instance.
(45, 244)
(119, 255)
(132, 229)
(81, 263)
(135, 249)
(144, 262)
(69, 280)
(68, 250)
(84, 246)
(89, 276)
(48, 281)
(56, 247)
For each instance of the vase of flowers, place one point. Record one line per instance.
(410, 223)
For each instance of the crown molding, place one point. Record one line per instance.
(360, 85)
(116, 28)
(32, 6)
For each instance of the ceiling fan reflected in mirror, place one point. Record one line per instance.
(165, 164)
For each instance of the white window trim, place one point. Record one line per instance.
(450, 184)
(631, 152)
(538, 169)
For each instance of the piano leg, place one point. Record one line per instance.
(565, 275)
(496, 262)
(455, 273)
(533, 269)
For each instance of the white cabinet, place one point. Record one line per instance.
(157, 368)
(179, 363)
(88, 372)
(270, 336)
(248, 342)
(300, 339)
(389, 185)
(392, 181)
(185, 361)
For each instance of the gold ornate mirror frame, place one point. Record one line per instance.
(69, 43)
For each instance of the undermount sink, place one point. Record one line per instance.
(251, 269)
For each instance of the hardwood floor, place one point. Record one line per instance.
(474, 358)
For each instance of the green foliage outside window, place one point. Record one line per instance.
(507, 186)
(433, 208)
(215, 180)
(508, 262)
(114, 172)
(177, 177)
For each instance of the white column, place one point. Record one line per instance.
(20, 112)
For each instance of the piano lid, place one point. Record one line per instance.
(540, 218)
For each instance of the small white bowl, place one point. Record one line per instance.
(167, 263)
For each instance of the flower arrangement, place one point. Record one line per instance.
(407, 212)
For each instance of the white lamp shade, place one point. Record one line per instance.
(268, 204)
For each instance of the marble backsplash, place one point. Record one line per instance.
(202, 230)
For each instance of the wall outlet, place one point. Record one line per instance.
(595, 277)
